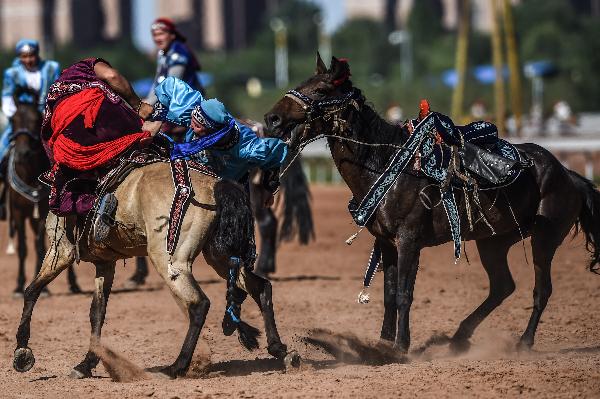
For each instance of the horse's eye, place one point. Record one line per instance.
(321, 91)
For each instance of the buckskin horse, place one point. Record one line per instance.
(295, 211)
(217, 223)
(26, 198)
(544, 203)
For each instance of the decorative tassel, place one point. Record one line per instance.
(10, 249)
(363, 296)
(36, 211)
(353, 237)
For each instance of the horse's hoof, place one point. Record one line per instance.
(459, 346)
(78, 375)
(133, 284)
(278, 350)
(523, 346)
(45, 293)
(292, 360)
(23, 360)
(75, 289)
(17, 294)
(164, 372)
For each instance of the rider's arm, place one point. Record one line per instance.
(8, 88)
(264, 153)
(122, 87)
(176, 71)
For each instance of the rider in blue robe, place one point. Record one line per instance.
(29, 78)
(231, 149)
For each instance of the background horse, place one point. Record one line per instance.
(295, 211)
(217, 223)
(26, 198)
(544, 203)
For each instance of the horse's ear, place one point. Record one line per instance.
(321, 68)
(340, 70)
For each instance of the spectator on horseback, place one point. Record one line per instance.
(214, 137)
(26, 81)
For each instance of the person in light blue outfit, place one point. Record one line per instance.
(214, 137)
(28, 79)
(228, 147)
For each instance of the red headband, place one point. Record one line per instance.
(168, 25)
(346, 75)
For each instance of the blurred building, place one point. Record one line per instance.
(211, 24)
(482, 13)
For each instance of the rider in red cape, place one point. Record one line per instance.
(92, 116)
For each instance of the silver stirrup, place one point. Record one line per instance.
(104, 217)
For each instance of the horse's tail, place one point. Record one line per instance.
(297, 216)
(589, 218)
(234, 232)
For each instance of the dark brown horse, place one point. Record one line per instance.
(544, 203)
(27, 200)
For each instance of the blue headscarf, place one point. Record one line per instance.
(179, 103)
(27, 46)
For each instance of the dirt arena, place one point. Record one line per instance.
(316, 288)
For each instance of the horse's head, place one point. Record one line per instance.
(321, 104)
(26, 126)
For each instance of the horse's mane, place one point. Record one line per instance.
(370, 127)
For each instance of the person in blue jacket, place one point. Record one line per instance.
(29, 78)
(214, 136)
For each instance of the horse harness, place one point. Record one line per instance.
(31, 193)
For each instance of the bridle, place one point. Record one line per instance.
(326, 109)
(329, 109)
(32, 193)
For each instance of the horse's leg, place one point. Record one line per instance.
(105, 273)
(260, 290)
(190, 298)
(19, 221)
(60, 256)
(389, 258)
(267, 227)
(545, 239)
(493, 252)
(408, 264)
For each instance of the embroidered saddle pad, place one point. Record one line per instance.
(435, 158)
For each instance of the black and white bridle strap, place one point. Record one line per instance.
(312, 107)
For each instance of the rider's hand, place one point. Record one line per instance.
(145, 110)
(152, 127)
(269, 201)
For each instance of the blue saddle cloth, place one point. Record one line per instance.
(435, 158)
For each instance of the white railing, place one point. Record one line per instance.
(319, 167)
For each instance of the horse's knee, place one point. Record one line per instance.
(198, 311)
(403, 300)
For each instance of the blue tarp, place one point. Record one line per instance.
(486, 74)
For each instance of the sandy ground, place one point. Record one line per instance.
(316, 288)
